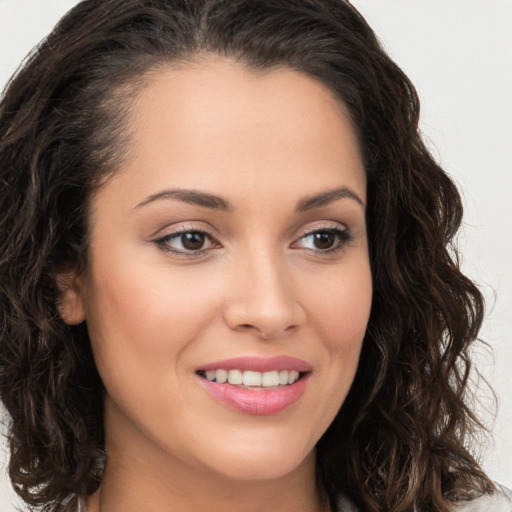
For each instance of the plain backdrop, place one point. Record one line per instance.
(458, 53)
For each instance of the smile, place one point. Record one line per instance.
(258, 386)
(252, 379)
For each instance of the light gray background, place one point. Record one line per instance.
(458, 53)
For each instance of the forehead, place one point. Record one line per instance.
(218, 126)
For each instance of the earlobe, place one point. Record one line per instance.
(71, 304)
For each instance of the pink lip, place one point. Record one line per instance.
(259, 364)
(257, 401)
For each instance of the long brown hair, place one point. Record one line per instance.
(401, 440)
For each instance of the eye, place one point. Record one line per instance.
(324, 240)
(187, 242)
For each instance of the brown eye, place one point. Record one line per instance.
(324, 240)
(187, 243)
(193, 240)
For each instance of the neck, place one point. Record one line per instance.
(121, 491)
(145, 479)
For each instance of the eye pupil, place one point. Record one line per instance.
(324, 240)
(193, 240)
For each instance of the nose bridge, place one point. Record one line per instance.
(262, 298)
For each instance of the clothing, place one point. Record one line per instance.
(500, 501)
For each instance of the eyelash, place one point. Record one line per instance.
(343, 236)
(163, 242)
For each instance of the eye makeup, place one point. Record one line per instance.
(189, 241)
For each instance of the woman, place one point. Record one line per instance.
(242, 293)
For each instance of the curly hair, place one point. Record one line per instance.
(401, 441)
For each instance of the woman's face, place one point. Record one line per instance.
(231, 245)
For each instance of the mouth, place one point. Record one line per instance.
(250, 379)
(258, 386)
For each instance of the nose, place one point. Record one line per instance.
(262, 299)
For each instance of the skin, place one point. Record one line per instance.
(261, 287)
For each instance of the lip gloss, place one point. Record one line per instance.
(259, 364)
(261, 400)
(256, 401)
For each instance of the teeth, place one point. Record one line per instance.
(250, 378)
(221, 376)
(270, 379)
(235, 377)
(293, 375)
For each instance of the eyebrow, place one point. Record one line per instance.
(218, 203)
(191, 197)
(327, 197)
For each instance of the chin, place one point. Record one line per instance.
(269, 461)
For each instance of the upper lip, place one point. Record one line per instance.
(259, 364)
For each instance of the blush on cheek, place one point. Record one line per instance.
(153, 317)
(345, 315)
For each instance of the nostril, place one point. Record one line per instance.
(265, 319)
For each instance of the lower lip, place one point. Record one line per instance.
(256, 401)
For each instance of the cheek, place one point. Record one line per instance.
(141, 320)
(340, 308)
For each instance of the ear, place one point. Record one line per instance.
(71, 303)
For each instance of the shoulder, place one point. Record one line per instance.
(499, 501)
(343, 504)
